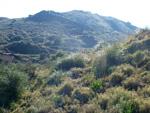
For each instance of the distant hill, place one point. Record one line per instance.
(49, 31)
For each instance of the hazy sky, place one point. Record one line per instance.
(135, 11)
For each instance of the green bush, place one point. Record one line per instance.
(127, 69)
(146, 92)
(132, 83)
(144, 105)
(100, 66)
(83, 94)
(129, 58)
(87, 79)
(126, 105)
(147, 66)
(59, 54)
(66, 89)
(138, 56)
(116, 78)
(112, 57)
(90, 108)
(56, 78)
(138, 59)
(68, 63)
(96, 85)
(145, 77)
(103, 101)
(139, 45)
(116, 99)
(12, 84)
(76, 73)
(26, 68)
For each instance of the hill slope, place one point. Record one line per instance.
(49, 31)
(112, 79)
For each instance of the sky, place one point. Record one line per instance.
(134, 11)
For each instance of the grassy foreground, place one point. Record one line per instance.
(112, 79)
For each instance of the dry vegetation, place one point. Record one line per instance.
(116, 80)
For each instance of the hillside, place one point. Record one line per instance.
(113, 79)
(48, 31)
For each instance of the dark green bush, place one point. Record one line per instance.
(68, 63)
(12, 84)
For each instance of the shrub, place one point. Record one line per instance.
(90, 108)
(12, 84)
(112, 57)
(131, 83)
(83, 94)
(139, 58)
(57, 99)
(146, 92)
(31, 71)
(113, 97)
(129, 58)
(96, 85)
(147, 66)
(100, 66)
(56, 78)
(126, 105)
(26, 68)
(47, 91)
(144, 106)
(74, 108)
(68, 63)
(145, 76)
(66, 89)
(1, 60)
(87, 79)
(125, 69)
(116, 78)
(138, 55)
(76, 73)
(59, 54)
(103, 101)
